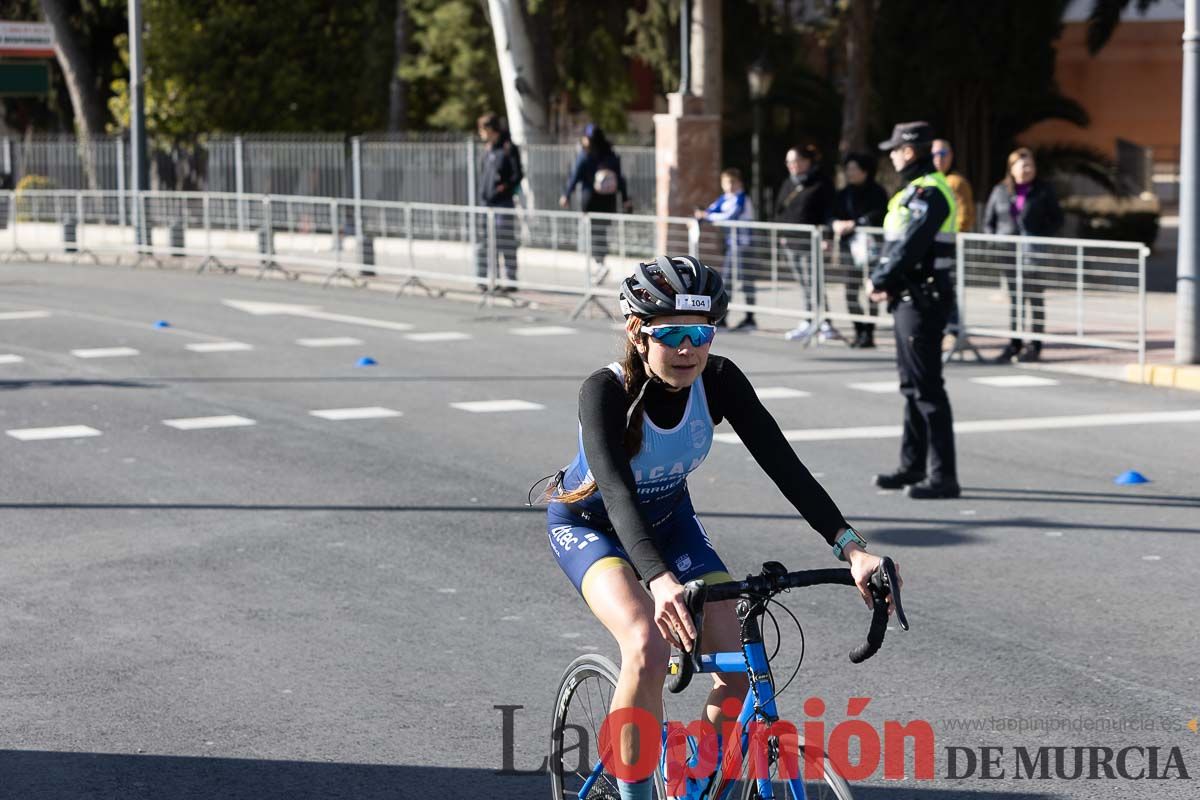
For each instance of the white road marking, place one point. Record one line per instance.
(313, 312)
(10, 358)
(987, 426)
(437, 336)
(7, 315)
(780, 393)
(203, 423)
(1151, 558)
(968, 512)
(366, 412)
(104, 352)
(218, 347)
(1054, 534)
(1014, 381)
(63, 432)
(330, 341)
(876, 387)
(489, 406)
(544, 330)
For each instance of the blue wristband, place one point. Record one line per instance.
(850, 535)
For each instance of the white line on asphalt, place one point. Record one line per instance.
(488, 406)
(63, 432)
(366, 412)
(10, 358)
(201, 423)
(544, 330)
(1151, 558)
(1014, 381)
(1055, 534)
(876, 387)
(330, 341)
(7, 315)
(313, 312)
(987, 426)
(218, 347)
(437, 336)
(104, 352)
(780, 393)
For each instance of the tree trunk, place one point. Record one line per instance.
(859, 28)
(77, 70)
(524, 97)
(397, 90)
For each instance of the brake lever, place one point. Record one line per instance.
(887, 581)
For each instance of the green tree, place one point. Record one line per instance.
(451, 69)
(270, 65)
(981, 76)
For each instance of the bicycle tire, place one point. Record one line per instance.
(832, 786)
(588, 682)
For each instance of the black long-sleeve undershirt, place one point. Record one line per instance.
(602, 408)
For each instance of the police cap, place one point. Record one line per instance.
(913, 133)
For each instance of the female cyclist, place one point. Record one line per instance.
(620, 515)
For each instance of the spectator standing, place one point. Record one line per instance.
(597, 173)
(500, 177)
(1024, 205)
(861, 203)
(943, 160)
(734, 205)
(805, 198)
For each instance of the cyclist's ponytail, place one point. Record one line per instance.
(633, 368)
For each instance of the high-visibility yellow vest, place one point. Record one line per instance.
(899, 214)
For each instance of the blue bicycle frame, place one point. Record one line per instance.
(761, 696)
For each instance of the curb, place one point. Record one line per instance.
(1176, 377)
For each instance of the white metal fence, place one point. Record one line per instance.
(1072, 291)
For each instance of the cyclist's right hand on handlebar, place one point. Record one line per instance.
(671, 615)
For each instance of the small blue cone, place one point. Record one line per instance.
(1129, 477)
(365, 361)
(162, 323)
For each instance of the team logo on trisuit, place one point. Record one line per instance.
(699, 431)
(683, 563)
(693, 302)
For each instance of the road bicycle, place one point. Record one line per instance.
(586, 689)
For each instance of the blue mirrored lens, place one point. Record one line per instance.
(673, 335)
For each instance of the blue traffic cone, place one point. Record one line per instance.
(365, 361)
(1129, 477)
(162, 323)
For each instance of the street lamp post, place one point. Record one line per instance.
(759, 78)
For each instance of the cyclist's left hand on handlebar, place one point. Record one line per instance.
(671, 614)
(862, 567)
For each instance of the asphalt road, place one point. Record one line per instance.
(302, 607)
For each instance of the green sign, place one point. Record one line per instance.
(25, 79)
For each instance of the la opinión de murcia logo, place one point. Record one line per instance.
(693, 751)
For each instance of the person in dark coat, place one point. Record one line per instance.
(1024, 205)
(500, 177)
(597, 173)
(861, 203)
(805, 198)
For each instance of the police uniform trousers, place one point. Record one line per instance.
(928, 423)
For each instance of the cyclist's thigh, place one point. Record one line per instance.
(615, 595)
(578, 547)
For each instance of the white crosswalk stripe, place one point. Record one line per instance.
(543, 330)
(1014, 381)
(204, 423)
(61, 432)
(13, 315)
(10, 358)
(104, 352)
(218, 347)
(492, 406)
(876, 387)
(437, 336)
(330, 341)
(367, 412)
(780, 393)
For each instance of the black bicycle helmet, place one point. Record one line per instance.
(674, 285)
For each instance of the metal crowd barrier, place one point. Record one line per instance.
(1073, 291)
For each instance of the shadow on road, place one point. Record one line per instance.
(78, 383)
(31, 775)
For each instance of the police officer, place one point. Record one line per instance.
(914, 276)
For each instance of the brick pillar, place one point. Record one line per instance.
(687, 145)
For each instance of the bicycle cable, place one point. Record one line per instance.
(800, 629)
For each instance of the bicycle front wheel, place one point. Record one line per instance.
(584, 697)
